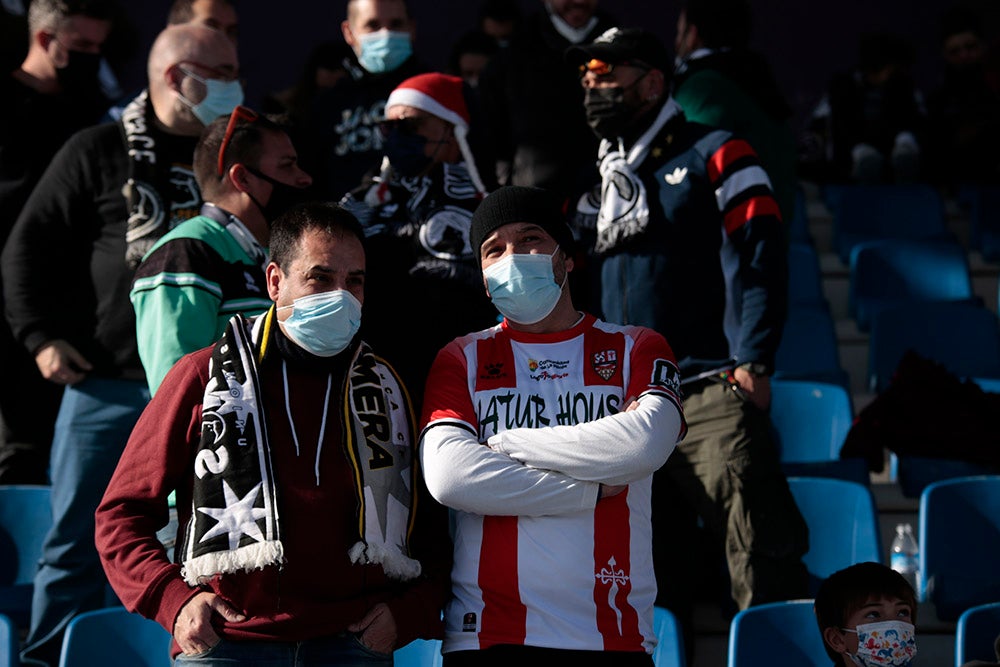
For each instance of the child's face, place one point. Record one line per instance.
(874, 610)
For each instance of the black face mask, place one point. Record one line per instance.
(80, 73)
(283, 196)
(607, 112)
(406, 152)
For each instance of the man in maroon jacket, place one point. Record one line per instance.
(290, 445)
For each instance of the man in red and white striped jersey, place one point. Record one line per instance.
(542, 434)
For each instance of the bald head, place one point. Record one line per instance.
(181, 59)
(188, 42)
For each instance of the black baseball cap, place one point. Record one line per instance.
(623, 45)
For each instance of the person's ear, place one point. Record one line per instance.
(272, 275)
(655, 85)
(173, 76)
(237, 176)
(44, 38)
(834, 638)
(345, 29)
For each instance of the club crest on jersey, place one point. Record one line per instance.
(605, 363)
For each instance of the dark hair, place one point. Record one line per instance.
(473, 41)
(958, 20)
(720, 22)
(182, 11)
(500, 10)
(845, 591)
(289, 228)
(244, 147)
(52, 14)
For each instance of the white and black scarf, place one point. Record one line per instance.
(624, 208)
(235, 523)
(149, 212)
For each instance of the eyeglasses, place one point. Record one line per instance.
(240, 113)
(409, 125)
(228, 74)
(601, 68)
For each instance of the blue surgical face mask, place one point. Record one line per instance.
(221, 97)
(384, 51)
(324, 323)
(523, 287)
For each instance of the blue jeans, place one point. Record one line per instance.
(343, 650)
(94, 422)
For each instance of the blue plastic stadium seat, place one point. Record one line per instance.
(669, 651)
(963, 337)
(959, 542)
(869, 212)
(25, 518)
(808, 347)
(843, 525)
(976, 633)
(897, 271)
(8, 642)
(114, 637)
(776, 633)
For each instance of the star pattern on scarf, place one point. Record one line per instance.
(238, 518)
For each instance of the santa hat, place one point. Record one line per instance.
(441, 95)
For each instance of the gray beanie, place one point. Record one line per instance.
(518, 203)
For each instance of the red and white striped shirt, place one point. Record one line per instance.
(521, 430)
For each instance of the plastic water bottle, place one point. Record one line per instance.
(904, 557)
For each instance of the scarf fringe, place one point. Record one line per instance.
(393, 562)
(250, 557)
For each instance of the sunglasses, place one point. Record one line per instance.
(240, 113)
(601, 68)
(408, 126)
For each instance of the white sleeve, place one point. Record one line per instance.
(616, 449)
(465, 475)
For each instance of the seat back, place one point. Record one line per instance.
(808, 347)
(115, 637)
(976, 633)
(959, 542)
(811, 418)
(891, 271)
(963, 337)
(419, 653)
(805, 277)
(669, 651)
(25, 519)
(776, 633)
(843, 525)
(8, 642)
(867, 212)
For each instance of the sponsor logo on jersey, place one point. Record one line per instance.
(469, 622)
(492, 371)
(605, 363)
(665, 375)
(547, 369)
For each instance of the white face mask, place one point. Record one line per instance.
(523, 287)
(884, 644)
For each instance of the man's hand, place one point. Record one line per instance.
(756, 387)
(193, 629)
(60, 362)
(377, 630)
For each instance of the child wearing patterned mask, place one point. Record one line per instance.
(866, 615)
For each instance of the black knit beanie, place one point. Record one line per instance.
(518, 203)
